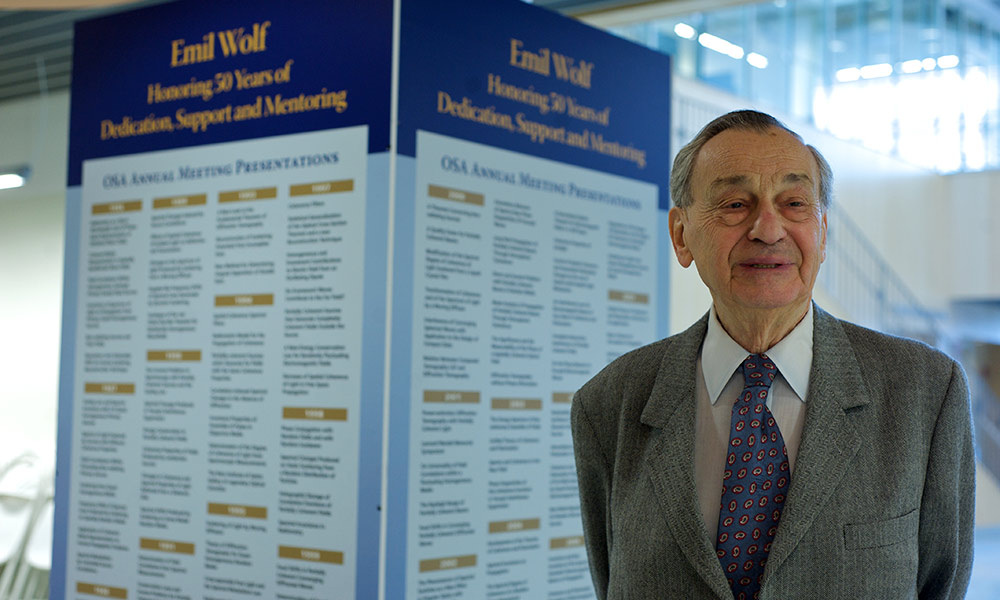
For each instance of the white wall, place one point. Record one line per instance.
(31, 260)
(974, 228)
(939, 233)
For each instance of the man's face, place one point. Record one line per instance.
(756, 230)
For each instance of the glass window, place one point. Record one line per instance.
(768, 76)
(723, 42)
(919, 79)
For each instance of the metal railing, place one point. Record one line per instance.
(869, 290)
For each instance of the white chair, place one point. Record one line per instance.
(32, 580)
(22, 488)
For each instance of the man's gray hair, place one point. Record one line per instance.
(744, 120)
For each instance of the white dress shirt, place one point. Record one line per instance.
(716, 391)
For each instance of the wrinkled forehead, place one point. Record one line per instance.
(789, 179)
(738, 157)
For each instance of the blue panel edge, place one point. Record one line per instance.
(400, 379)
(64, 418)
(372, 376)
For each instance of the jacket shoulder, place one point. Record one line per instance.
(891, 350)
(893, 365)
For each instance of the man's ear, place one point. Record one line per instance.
(823, 241)
(676, 220)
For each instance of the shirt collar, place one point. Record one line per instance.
(721, 356)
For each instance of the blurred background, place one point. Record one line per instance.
(901, 96)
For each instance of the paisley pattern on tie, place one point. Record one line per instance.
(755, 482)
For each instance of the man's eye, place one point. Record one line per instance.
(799, 203)
(736, 204)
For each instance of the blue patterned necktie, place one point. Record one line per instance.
(754, 484)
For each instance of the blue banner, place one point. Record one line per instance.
(513, 76)
(193, 73)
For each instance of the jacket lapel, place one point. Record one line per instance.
(671, 410)
(829, 439)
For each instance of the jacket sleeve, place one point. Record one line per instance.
(948, 504)
(594, 472)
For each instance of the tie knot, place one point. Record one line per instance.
(758, 370)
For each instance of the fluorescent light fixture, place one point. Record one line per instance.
(876, 71)
(948, 61)
(928, 64)
(757, 60)
(14, 177)
(684, 30)
(10, 180)
(912, 66)
(720, 45)
(848, 74)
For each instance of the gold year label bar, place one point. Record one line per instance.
(516, 404)
(113, 208)
(314, 414)
(562, 398)
(266, 193)
(437, 191)
(450, 562)
(180, 201)
(166, 546)
(311, 554)
(108, 388)
(450, 397)
(632, 297)
(104, 591)
(174, 355)
(515, 525)
(245, 300)
(237, 510)
(560, 543)
(322, 187)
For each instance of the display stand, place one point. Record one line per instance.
(323, 323)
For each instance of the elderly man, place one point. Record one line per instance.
(772, 451)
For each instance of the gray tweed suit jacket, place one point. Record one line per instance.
(881, 499)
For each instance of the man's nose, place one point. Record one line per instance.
(767, 226)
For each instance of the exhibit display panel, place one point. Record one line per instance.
(531, 192)
(223, 355)
(323, 323)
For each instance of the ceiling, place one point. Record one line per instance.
(36, 48)
(34, 45)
